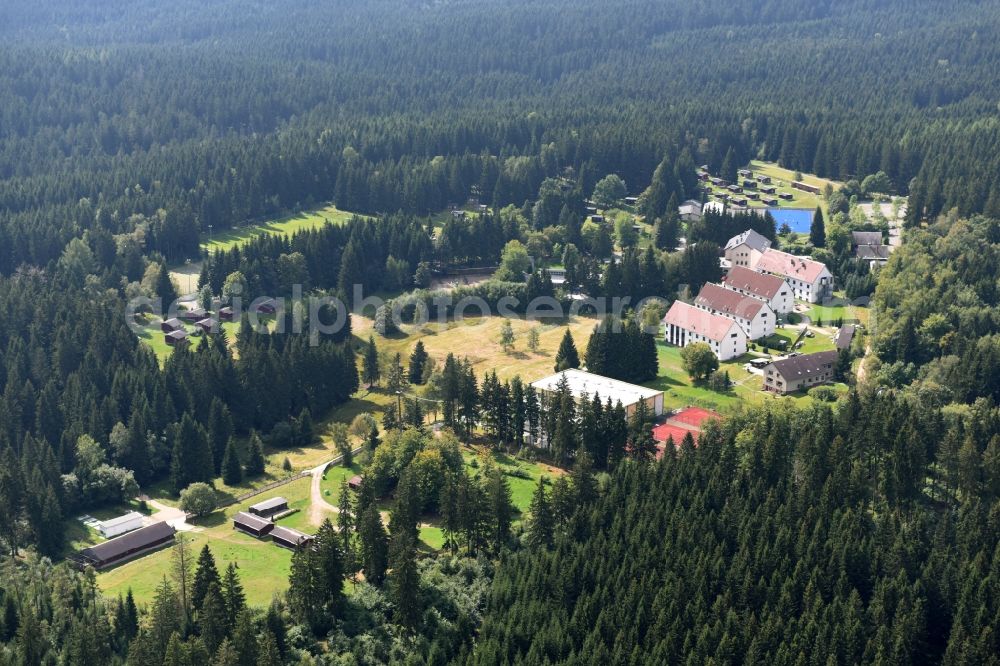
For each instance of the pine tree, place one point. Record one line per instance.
(213, 623)
(506, 336)
(374, 545)
(255, 456)
(501, 508)
(345, 525)
(191, 459)
(220, 430)
(404, 585)
(165, 289)
(418, 359)
(540, 527)
(817, 231)
(567, 356)
(226, 655)
(245, 638)
(267, 650)
(305, 589)
(232, 471)
(233, 595)
(205, 575)
(533, 339)
(370, 372)
(330, 560)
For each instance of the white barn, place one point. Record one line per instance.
(685, 324)
(120, 525)
(754, 316)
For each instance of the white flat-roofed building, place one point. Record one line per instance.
(120, 525)
(585, 384)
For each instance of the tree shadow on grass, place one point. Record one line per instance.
(213, 519)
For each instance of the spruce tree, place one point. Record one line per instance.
(213, 622)
(540, 527)
(206, 574)
(232, 471)
(255, 456)
(374, 546)
(817, 231)
(501, 508)
(233, 595)
(370, 371)
(404, 585)
(165, 289)
(418, 359)
(567, 356)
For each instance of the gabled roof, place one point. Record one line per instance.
(807, 365)
(866, 237)
(177, 335)
(269, 504)
(712, 326)
(844, 336)
(729, 302)
(288, 535)
(174, 323)
(880, 252)
(689, 206)
(250, 521)
(123, 519)
(760, 285)
(789, 265)
(751, 238)
(140, 538)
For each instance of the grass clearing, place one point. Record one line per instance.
(282, 226)
(263, 566)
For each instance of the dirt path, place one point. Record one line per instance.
(318, 506)
(170, 515)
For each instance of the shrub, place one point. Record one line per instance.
(199, 499)
(823, 393)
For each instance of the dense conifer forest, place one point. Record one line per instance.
(859, 532)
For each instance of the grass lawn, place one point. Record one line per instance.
(334, 477)
(680, 391)
(153, 336)
(263, 566)
(782, 179)
(838, 308)
(819, 342)
(477, 338)
(284, 226)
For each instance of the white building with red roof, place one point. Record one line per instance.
(769, 288)
(810, 280)
(754, 316)
(685, 324)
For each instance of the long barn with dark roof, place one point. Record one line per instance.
(128, 546)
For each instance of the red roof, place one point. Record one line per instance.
(758, 284)
(782, 263)
(728, 302)
(665, 431)
(695, 416)
(690, 318)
